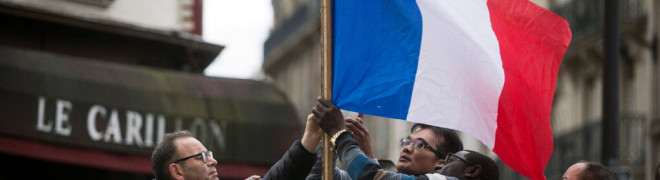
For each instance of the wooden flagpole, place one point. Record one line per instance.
(326, 84)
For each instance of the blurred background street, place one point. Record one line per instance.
(88, 87)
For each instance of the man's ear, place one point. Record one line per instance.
(440, 162)
(175, 171)
(473, 171)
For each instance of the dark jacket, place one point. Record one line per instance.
(295, 164)
(317, 170)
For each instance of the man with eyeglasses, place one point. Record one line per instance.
(182, 157)
(418, 158)
(421, 152)
(426, 148)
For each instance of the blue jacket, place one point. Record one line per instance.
(359, 166)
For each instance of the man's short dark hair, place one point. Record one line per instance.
(451, 143)
(165, 153)
(489, 170)
(594, 170)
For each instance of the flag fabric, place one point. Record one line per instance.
(484, 67)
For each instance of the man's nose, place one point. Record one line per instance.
(407, 148)
(212, 161)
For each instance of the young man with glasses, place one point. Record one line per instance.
(416, 157)
(182, 157)
(426, 148)
(421, 152)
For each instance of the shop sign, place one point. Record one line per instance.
(101, 126)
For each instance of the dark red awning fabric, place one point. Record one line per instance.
(76, 156)
(108, 160)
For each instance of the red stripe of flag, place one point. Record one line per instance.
(532, 42)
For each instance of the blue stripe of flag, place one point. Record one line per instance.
(376, 50)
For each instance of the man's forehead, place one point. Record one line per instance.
(579, 166)
(462, 154)
(183, 140)
(575, 171)
(426, 134)
(188, 144)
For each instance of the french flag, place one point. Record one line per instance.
(484, 67)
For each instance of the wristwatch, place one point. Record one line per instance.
(334, 138)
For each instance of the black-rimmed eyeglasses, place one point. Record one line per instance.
(448, 159)
(205, 157)
(420, 144)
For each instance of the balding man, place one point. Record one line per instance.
(588, 170)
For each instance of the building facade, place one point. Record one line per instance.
(577, 109)
(292, 62)
(89, 87)
(166, 15)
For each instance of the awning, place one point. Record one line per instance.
(56, 101)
